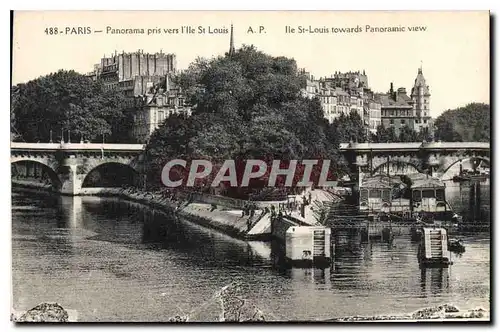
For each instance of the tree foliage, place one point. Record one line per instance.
(349, 128)
(406, 134)
(385, 135)
(67, 101)
(247, 106)
(468, 123)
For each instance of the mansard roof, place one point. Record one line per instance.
(400, 100)
(427, 183)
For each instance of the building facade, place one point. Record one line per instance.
(338, 94)
(132, 73)
(397, 109)
(152, 109)
(342, 93)
(372, 115)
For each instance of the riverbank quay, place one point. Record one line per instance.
(225, 214)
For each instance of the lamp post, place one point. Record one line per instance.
(50, 136)
(102, 147)
(62, 135)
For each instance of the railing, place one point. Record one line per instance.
(76, 146)
(415, 145)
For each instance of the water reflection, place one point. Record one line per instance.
(319, 276)
(113, 260)
(471, 200)
(434, 281)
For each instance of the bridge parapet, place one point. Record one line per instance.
(77, 147)
(413, 146)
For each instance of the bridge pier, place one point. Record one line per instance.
(70, 179)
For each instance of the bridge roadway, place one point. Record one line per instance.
(344, 147)
(20, 146)
(69, 163)
(415, 146)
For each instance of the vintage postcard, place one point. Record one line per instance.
(316, 166)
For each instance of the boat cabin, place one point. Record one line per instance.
(377, 193)
(428, 195)
(384, 194)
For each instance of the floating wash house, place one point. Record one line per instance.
(377, 194)
(385, 194)
(433, 250)
(304, 245)
(428, 195)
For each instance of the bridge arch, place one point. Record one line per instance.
(447, 167)
(20, 167)
(111, 174)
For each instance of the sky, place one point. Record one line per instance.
(453, 50)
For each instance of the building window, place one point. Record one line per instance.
(403, 121)
(425, 107)
(425, 121)
(375, 193)
(392, 121)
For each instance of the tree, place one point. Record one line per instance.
(247, 106)
(350, 128)
(445, 131)
(67, 101)
(425, 135)
(468, 123)
(407, 134)
(385, 135)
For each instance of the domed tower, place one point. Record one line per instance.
(421, 96)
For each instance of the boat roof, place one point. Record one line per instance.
(381, 182)
(427, 183)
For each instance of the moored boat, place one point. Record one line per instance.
(456, 246)
(433, 249)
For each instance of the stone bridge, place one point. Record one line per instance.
(434, 158)
(68, 164)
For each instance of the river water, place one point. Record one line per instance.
(111, 260)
